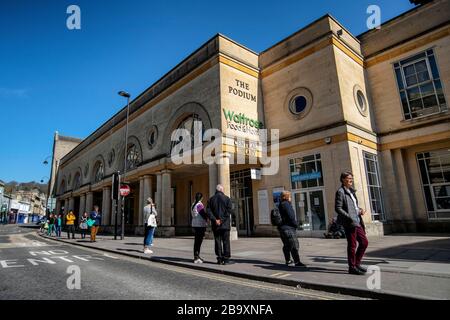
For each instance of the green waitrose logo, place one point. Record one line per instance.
(242, 119)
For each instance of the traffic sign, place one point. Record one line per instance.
(124, 190)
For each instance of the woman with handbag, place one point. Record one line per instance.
(199, 223)
(150, 225)
(83, 225)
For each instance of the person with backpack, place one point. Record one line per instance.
(199, 223)
(287, 226)
(150, 225)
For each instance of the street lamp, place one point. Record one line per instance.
(125, 95)
(46, 200)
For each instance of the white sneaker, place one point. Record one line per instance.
(148, 251)
(198, 261)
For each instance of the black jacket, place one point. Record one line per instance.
(344, 207)
(219, 207)
(287, 215)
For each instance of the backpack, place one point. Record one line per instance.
(275, 217)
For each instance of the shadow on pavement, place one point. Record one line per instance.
(437, 250)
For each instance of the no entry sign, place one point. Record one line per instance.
(124, 190)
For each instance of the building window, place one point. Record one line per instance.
(360, 100)
(434, 169)
(299, 102)
(77, 181)
(419, 85)
(111, 157)
(306, 172)
(374, 186)
(98, 172)
(189, 125)
(134, 158)
(152, 136)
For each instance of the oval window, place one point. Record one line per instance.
(298, 105)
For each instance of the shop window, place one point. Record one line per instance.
(306, 172)
(374, 186)
(420, 86)
(434, 167)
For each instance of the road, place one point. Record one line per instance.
(35, 268)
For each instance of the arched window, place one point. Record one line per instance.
(134, 157)
(62, 187)
(188, 124)
(99, 171)
(77, 181)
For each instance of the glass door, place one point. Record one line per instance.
(310, 210)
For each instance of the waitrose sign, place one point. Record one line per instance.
(241, 120)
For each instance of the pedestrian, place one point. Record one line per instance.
(70, 223)
(219, 209)
(97, 219)
(350, 216)
(199, 223)
(83, 225)
(58, 225)
(149, 224)
(288, 231)
(51, 224)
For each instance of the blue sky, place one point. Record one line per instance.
(55, 79)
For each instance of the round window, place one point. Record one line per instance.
(299, 103)
(360, 100)
(152, 136)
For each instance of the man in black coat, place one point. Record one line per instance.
(350, 216)
(219, 209)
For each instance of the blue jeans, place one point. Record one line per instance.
(58, 231)
(148, 237)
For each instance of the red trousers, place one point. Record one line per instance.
(354, 235)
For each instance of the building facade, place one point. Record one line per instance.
(376, 105)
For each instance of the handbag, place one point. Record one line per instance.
(83, 225)
(152, 221)
(90, 222)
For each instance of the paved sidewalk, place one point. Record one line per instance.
(412, 266)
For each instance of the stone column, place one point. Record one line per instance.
(158, 195)
(66, 206)
(141, 200)
(71, 204)
(146, 193)
(89, 202)
(106, 206)
(166, 199)
(212, 179)
(82, 205)
(223, 172)
(58, 206)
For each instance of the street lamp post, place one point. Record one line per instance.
(125, 95)
(46, 200)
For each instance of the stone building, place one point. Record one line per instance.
(374, 104)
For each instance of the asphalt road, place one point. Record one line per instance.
(35, 268)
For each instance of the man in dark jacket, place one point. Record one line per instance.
(288, 231)
(219, 209)
(349, 215)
